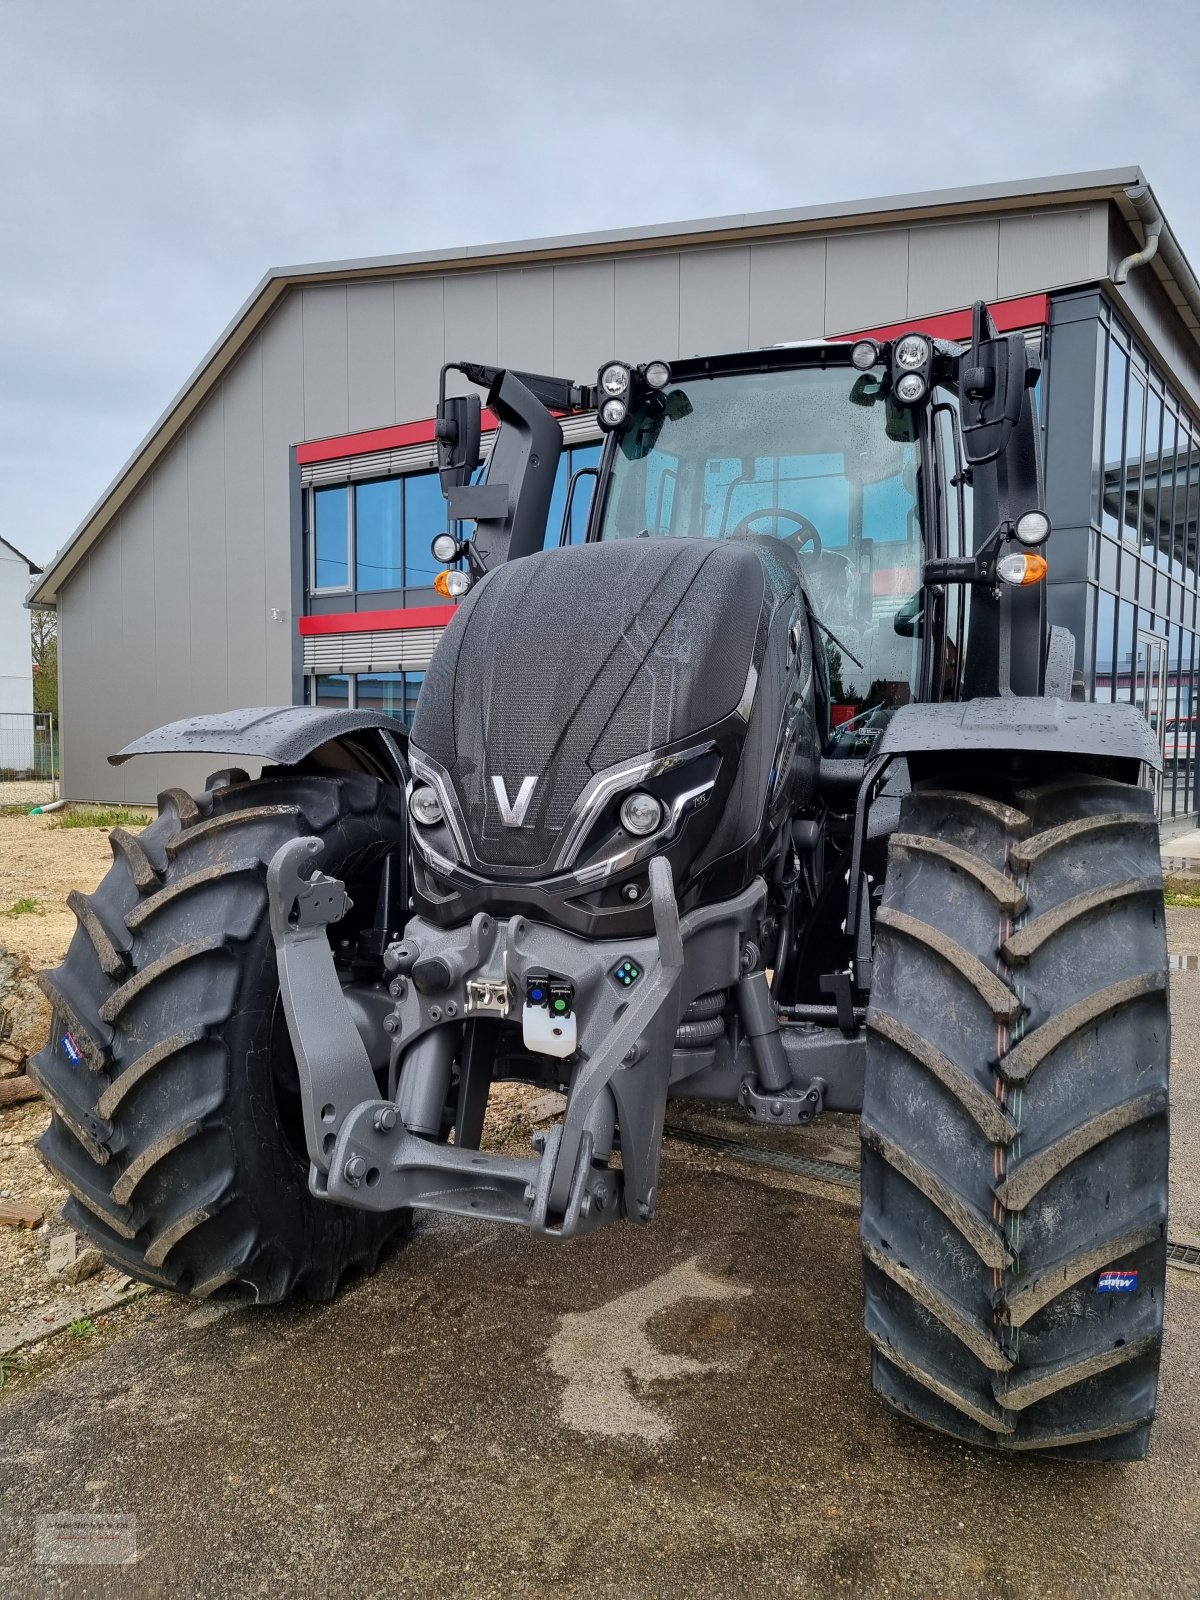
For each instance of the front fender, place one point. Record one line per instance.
(1036, 723)
(284, 735)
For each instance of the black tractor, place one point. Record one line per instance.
(772, 791)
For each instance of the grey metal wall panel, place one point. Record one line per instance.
(646, 309)
(284, 366)
(76, 672)
(245, 529)
(787, 291)
(952, 265)
(371, 354)
(207, 559)
(171, 687)
(326, 387)
(525, 319)
(1046, 251)
(714, 300)
(420, 345)
(866, 280)
(470, 321)
(584, 318)
(132, 655)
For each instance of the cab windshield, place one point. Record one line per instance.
(820, 459)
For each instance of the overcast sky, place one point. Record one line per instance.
(158, 156)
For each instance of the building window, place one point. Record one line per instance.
(331, 539)
(378, 536)
(424, 519)
(330, 690)
(574, 459)
(374, 536)
(1145, 531)
(391, 694)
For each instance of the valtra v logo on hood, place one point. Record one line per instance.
(512, 813)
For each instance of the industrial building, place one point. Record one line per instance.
(269, 539)
(16, 663)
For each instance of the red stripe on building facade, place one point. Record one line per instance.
(1029, 311)
(366, 443)
(375, 621)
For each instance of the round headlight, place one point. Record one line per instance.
(910, 387)
(912, 351)
(1033, 527)
(425, 807)
(658, 374)
(615, 378)
(640, 813)
(865, 354)
(445, 547)
(613, 413)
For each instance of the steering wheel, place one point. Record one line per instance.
(805, 533)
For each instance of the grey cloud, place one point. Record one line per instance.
(160, 155)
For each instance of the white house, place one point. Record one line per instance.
(16, 659)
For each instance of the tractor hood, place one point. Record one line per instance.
(563, 665)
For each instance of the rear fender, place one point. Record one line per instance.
(354, 741)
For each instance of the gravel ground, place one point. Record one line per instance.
(43, 863)
(678, 1410)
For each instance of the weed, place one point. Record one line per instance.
(1176, 897)
(11, 1367)
(82, 1328)
(25, 907)
(101, 817)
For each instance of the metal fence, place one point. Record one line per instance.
(28, 758)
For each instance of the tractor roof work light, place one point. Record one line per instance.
(614, 379)
(864, 355)
(1033, 528)
(912, 352)
(615, 393)
(912, 368)
(910, 386)
(657, 374)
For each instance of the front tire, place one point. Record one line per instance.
(176, 1124)
(1015, 1142)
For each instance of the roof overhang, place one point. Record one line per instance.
(946, 204)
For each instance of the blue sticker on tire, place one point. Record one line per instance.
(71, 1050)
(1116, 1282)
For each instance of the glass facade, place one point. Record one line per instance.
(373, 537)
(368, 548)
(1124, 575)
(391, 694)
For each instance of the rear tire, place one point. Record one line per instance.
(1015, 1140)
(176, 1123)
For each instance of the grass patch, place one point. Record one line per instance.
(25, 907)
(82, 1328)
(102, 817)
(1177, 897)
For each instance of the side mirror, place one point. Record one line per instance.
(993, 377)
(457, 431)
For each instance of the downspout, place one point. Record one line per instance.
(1151, 220)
